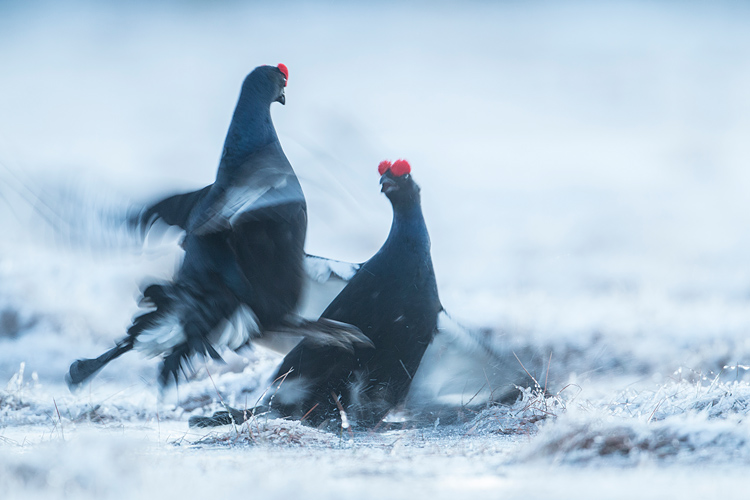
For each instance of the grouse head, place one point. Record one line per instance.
(267, 82)
(396, 182)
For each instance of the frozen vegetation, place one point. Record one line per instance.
(584, 174)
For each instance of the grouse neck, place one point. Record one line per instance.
(250, 130)
(408, 226)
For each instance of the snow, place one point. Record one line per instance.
(583, 170)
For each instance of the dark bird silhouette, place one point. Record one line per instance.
(393, 299)
(242, 271)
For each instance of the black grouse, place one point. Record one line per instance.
(393, 299)
(242, 270)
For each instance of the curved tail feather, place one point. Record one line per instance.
(322, 332)
(83, 369)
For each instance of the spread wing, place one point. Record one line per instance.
(324, 280)
(469, 367)
(462, 366)
(255, 190)
(173, 210)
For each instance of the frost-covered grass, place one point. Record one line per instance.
(702, 421)
(128, 444)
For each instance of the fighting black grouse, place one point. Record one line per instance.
(393, 299)
(244, 248)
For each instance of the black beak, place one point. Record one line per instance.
(387, 184)
(281, 98)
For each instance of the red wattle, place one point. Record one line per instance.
(400, 167)
(282, 67)
(384, 166)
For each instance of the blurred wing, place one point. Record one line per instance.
(323, 281)
(173, 210)
(250, 192)
(320, 269)
(465, 367)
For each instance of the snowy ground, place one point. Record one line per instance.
(584, 173)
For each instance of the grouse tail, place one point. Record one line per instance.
(83, 369)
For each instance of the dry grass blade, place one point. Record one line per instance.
(308, 412)
(527, 371)
(59, 418)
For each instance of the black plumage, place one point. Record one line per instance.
(393, 299)
(244, 250)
